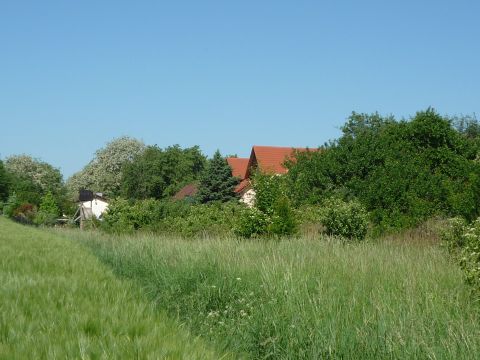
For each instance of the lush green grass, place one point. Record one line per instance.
(305, 298)
(58, 301)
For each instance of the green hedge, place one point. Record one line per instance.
(169, 217)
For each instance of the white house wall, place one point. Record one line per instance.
(98, 207)
(248, 198)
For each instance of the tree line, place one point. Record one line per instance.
(394, 173)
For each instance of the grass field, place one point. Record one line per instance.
(307, 299)
(57, 301)
(156, 297)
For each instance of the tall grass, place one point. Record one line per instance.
(305, 298)
(57, 301)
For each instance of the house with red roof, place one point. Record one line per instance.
(267, 159)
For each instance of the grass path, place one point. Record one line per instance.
(57, 301)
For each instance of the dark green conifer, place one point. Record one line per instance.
(217, 182)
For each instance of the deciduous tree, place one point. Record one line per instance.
(104, 172)
(159, 173)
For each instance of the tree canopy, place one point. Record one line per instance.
(31, 178)
(158, 173)
(42, 174)
(104, 172)
(4, 182)
(402, 171)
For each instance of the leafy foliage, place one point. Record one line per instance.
(32, 178)
(403, 172)
(268, 189)
(452, 235)
(345, 219)
(463, 241)
(18, 211)
(104, 172)
(12, 203)
(272, 213)
(42, 174)
(48, 204)
(48, 211)
(283, 219)
(157, 173)
(217, 182)
(252, 223)
(169, 217)
(4, 182)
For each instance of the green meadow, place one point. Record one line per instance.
(396, 298)
(71, 294)
(57, 301)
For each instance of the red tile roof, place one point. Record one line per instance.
(271, 159)
(239, 166)
(242, 186)
(187, 191)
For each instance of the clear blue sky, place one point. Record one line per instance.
(224, 74)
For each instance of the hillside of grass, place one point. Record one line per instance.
(301, 298)
(58, 301)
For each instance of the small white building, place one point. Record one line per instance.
(248, 197)
(97, 206)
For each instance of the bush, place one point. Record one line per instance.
(345, 219)
(283, 221)
(463, 241)
(252, 223)
(25, 213)
(268, 189)
(200, 220)
(45, 218)
(48, 204)
(21, 212)
(452, 235)
(170, 217)
(49, 211)
(272, 213)
(123, 216)
(11, 204)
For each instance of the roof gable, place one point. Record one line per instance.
(188, 190)
(239, 166)
(271, 159)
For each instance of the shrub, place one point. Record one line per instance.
(48, 204)
(200, 220)
(123, 216)
(283, 221)
(345, 219)
(463, 241)
(45, 218)
(251, 223)
(11, 204)
(272, 213)
(268, 189)
(170, 217)
(48, 212)
(452, 235)
(25, 213)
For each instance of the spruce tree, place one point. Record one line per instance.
(217, 182)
